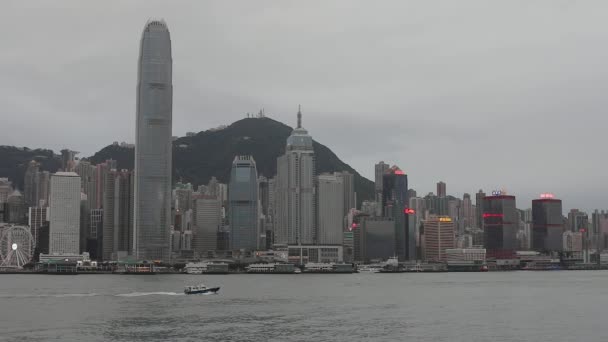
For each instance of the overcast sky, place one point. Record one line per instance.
(479, 94)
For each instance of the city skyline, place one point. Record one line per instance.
(521, 93)
(450, 158)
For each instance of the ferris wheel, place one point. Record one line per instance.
(16, 246)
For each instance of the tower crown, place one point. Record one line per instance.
(299, 138)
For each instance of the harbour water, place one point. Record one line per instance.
(494, 306)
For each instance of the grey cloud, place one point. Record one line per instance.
(478, 94)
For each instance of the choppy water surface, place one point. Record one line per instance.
(503, 306)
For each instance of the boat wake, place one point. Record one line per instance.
(59, 295)
(76, 295)
(70, 295)
(139, 294)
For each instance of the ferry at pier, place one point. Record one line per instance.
(206, 268)
(328, 268)
(273, 268)
(369, 268)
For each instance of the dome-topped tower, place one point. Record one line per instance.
(295, 187)
(299, 138)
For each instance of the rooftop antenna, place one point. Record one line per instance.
(299, 116)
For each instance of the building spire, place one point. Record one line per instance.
(299, 116)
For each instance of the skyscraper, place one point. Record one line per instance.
(394, 195)
(15, 208)
(68, 160)
(350, 196)
(479, 205)
(100, 174)
(374, 239)
(95, 233)
(415, 215)
(153, 147)
(117, 214)
(547, 224)
(30, 183)
(88, 184)
(182, 197)
(331, 209)
(438, 236)
(6, 189)
(207, 220)
(243, 204)
(86, 171)
(468, 212)
(265, 193)
(578, 221)
(379, 171)
(441, 191)
(600, 229)
(38, 217)
(64, 234)
(296, 190)
(500, 224)
(44, 185)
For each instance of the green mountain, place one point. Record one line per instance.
(210, 153)
(14, 162)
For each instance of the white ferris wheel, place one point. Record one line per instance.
(16, 246)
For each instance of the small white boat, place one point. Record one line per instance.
(200, 289)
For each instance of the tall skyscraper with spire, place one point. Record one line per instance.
(153, 147)
(295, 189)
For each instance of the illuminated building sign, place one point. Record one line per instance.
(409, 211)
(399, 172)
(445, 219)
(486, 215)
(546, 196)
(499, 192)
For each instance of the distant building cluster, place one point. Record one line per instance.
(300, 214)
